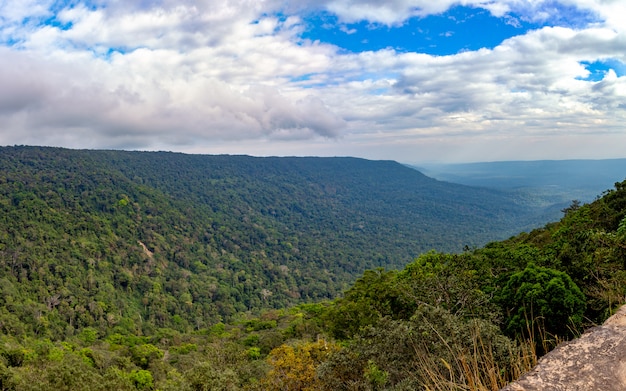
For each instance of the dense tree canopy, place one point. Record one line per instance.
(145, 271)
(543, 294)
(130, 241)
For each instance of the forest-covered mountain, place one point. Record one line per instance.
(139, 271)
(107, 237)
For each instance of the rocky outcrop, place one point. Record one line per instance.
(595, 361)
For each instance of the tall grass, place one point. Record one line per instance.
(476, 368)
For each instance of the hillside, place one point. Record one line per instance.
(481, 319)
(144, 271)
(139, 239)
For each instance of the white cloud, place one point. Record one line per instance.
(17, 11)
(387, 12)
(526, 89)
(398, 11)
(188, 75)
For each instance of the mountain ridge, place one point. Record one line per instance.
(227, 233)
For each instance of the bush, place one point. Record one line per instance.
(142, 379)
(204, 377)
(143, 355)
(542, 297)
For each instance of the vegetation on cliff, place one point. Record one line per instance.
(162, 271)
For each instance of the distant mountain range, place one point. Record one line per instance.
(551, 184)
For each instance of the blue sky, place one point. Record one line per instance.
(409, 80)
(457, 29)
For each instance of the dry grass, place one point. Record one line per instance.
(476, 368)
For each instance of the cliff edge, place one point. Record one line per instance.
(595, 361)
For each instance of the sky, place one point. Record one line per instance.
(408, 80)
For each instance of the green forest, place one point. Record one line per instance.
(163, 271)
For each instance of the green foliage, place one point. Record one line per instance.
(88, 336)
(185, 348)
(130, 242)
(254, 353)
(204, 377)
(450, 281)
(257, 324)
(146, 354)
(375, 376)
(162, 271)
(142, 379)
(454, 282)
(548, 296)
(371, 298)
(251, 340)
(402, 353)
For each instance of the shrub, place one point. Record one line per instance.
(542, 297)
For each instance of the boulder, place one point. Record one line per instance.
(595, 361)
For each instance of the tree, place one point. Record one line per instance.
(449, 281)
(542, 296)
(205, 377)
(573, 207)
(142, 379)
(144, 355)
(433, 350)
(372, 297)
(294, 368)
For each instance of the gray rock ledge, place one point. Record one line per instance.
(595, 361)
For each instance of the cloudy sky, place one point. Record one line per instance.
(409, 80)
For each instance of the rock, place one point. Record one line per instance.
(595, 361)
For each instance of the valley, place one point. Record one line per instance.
(159, 270)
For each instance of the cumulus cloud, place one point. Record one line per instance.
(398, 11)
(186, 74)
(103, 107)
(532, 78)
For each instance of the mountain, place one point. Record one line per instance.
(152, 239)
(551, 184)
(585, 176)
(117, 268)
